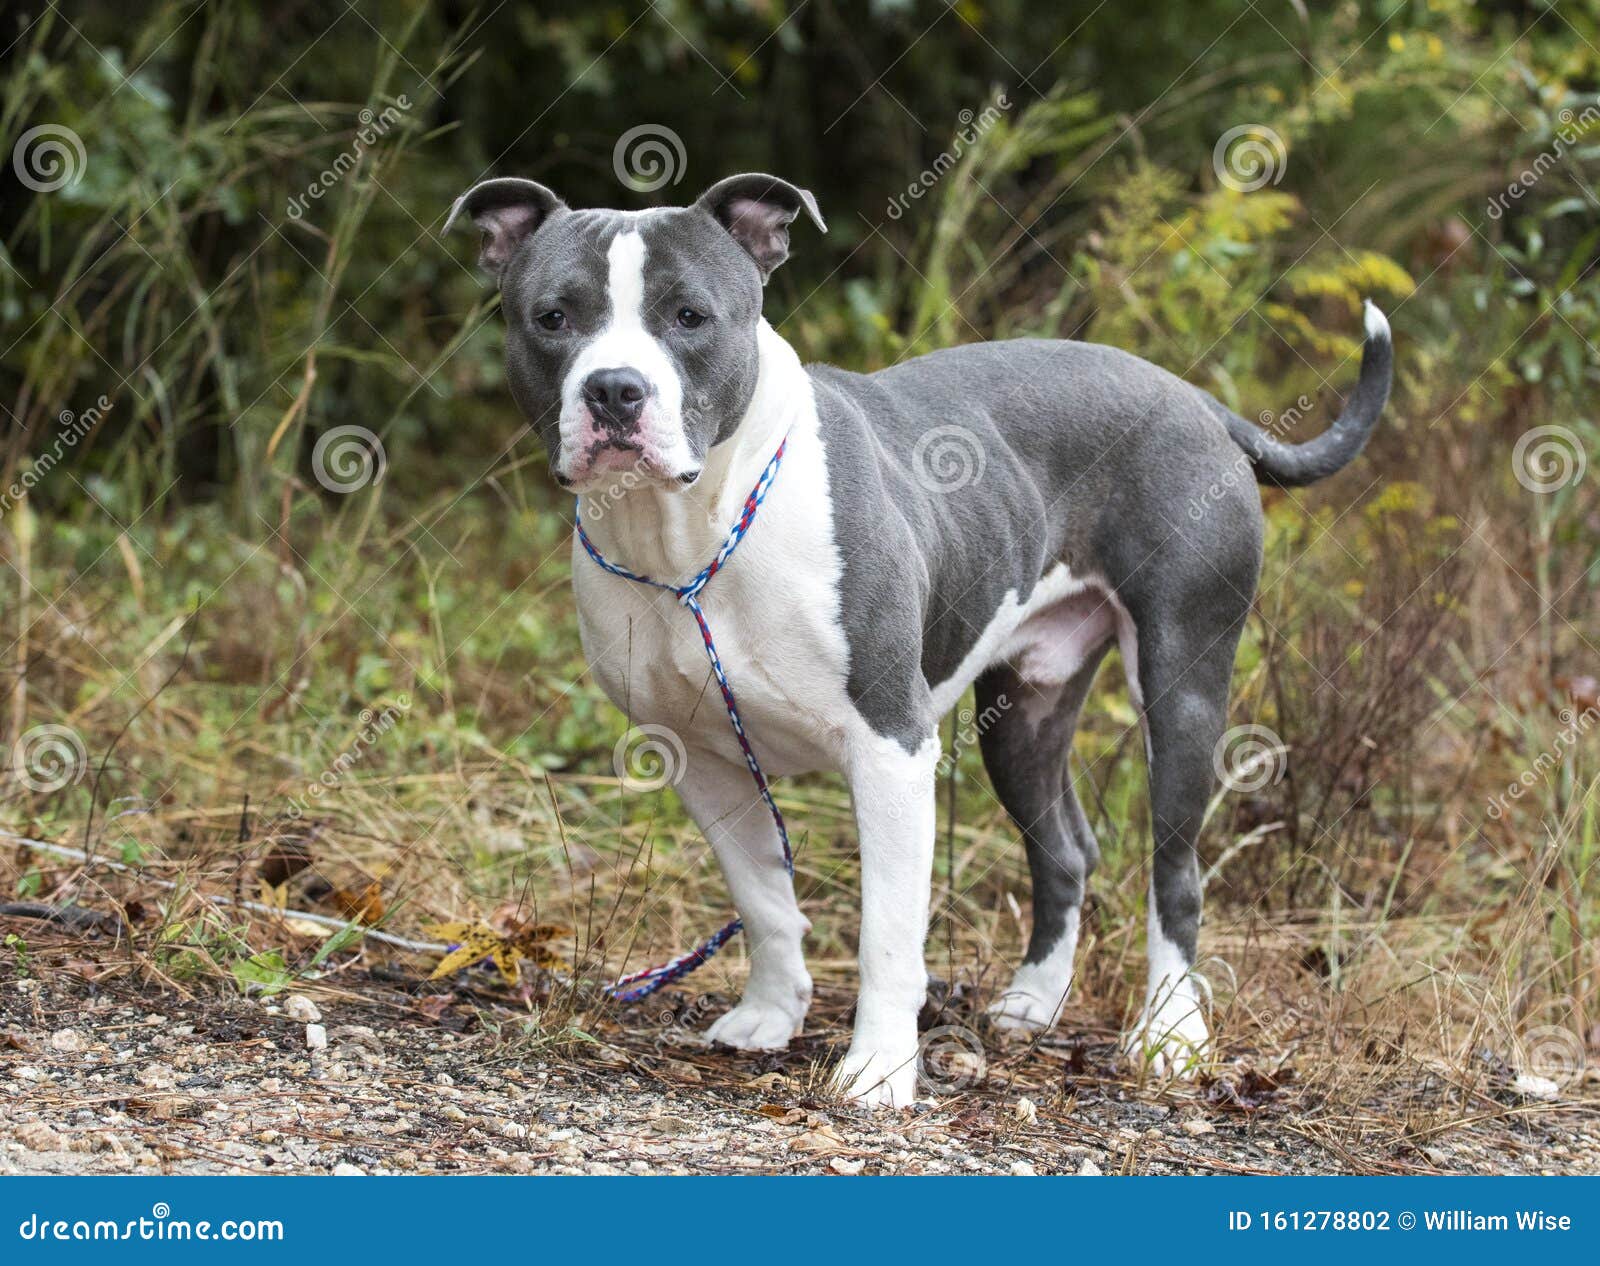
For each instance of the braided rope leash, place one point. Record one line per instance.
(641, 984)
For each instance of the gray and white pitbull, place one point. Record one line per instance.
(877, 583)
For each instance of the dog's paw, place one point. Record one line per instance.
(878, 1078)
(756, 1026)
(1023, 1014)
(1171, 1038)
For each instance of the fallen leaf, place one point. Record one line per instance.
(781, 1114)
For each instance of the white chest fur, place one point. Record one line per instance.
(773, 609)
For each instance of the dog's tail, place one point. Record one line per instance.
(1290, 465)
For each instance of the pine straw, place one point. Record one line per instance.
(1348, 1041)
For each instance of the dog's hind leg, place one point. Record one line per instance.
(1026, 738)
(1183, 668)
(721, 799)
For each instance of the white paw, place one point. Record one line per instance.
(878, 1078)
(756, 1026)
(1016, 1011)
(1171, 1037)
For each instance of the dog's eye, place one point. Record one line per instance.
(689, 319)
(555, 319)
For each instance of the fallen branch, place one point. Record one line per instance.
(239, 903)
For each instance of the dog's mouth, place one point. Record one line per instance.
(625, 457)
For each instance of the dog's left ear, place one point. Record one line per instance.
(508, 210)
(757, 210)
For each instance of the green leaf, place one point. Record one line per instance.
(265, 973)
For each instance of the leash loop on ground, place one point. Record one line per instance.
(641, 984)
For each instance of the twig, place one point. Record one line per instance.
(259, 907)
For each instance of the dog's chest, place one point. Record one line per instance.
(773, 612)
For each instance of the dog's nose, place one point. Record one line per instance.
(616, 397)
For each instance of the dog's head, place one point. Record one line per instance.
(631, 336)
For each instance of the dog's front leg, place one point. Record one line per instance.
(722, 800)
(893, 792)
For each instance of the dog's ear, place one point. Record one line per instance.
(757, 210)
(508, 211)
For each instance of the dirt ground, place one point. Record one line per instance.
(105, 1070)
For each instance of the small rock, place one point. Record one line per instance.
(513, 1130)
(1026, 1110)
(39, 1136)
(300, 1008)
(444, 1079)
(157, 1077)
(67, 1041)
(673, 1125)
(1022, 1169)
(346, 1170)
(26, 1073)
(1088, 1169)
(849, 1168)
(316, 1037)
(1198, 1128)
(1532, 1086)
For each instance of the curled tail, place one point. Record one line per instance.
(1290, 465)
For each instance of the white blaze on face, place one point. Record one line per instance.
(624, 343)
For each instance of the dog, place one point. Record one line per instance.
(876, 585)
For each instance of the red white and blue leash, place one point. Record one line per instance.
(629, 988)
